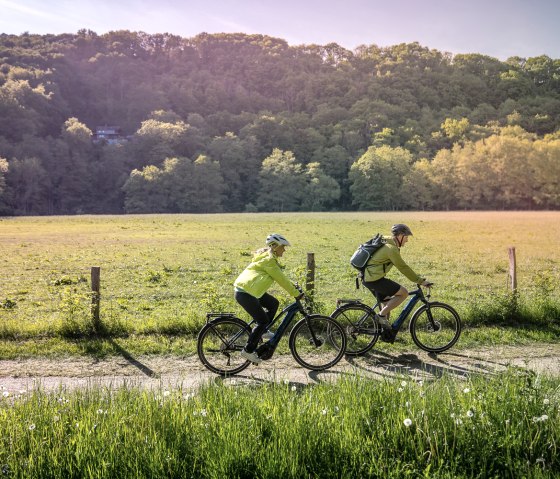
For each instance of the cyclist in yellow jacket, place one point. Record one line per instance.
(251, 290)
(379, 265)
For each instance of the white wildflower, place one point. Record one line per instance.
(403, 383)
(31, 427)
(324, 411)
(470, 413)
(166, 393)
(294, 388)
(544, 417)
(203, 413)
(5, 394)
(400, 390)
(466, 390)
(546, 401)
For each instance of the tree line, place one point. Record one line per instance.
(235, 122)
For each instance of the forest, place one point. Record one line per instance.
(247, 123)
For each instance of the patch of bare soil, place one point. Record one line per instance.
(155, 372)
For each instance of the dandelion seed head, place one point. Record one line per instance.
(403, 383)
(470, 413)
(166, 393)
(31, 427)
(400, 390)
(324, 411)
(466, 390)
(544, 417)
(407, 422)
(5, 394)
(546, 401)
(293, 388)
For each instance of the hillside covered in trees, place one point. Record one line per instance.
(236, 122)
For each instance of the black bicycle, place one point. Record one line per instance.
(316, 342)
(435, 327)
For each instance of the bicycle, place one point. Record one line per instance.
(316, 342)
(435, 327)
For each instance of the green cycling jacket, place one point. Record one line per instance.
(383, 260)
(261, 273)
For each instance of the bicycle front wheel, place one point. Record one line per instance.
(360, 326)
(219, 344)
(435, 327)
(317, 342)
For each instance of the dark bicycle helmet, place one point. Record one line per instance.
(400, 229)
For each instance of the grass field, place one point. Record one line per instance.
(160, 274)
(356, 428)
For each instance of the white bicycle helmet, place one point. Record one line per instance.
(275, 239)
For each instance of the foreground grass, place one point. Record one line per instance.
(505, 426)
(160, 274)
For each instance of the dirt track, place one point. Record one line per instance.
(172, 372)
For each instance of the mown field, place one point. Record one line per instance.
(160, 274)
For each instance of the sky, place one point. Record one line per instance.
(498, 28)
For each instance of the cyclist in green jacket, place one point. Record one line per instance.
(380, 264)
(251, 290)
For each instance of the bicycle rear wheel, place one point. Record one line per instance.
(435, 327)
(360, 326)
(219, 344)
(317, 342)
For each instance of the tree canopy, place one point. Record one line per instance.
(236, 122)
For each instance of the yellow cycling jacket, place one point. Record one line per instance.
(383, 260)
(261, 273)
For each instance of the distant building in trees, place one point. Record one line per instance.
(109, 134)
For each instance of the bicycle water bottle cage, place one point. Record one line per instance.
(341, 301)
(210, 316)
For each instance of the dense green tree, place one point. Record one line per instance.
(282, 182)
(321, 191)
(377, 178)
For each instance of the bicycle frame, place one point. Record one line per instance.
(416, 296)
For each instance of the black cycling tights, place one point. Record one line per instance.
(256, 308)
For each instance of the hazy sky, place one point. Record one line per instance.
(499, 28)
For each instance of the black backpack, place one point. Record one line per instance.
(365, 251)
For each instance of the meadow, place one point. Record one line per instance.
(160, 274)
(502, 426)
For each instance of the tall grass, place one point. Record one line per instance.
(505, 426)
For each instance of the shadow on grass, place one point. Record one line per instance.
(103, 344)
(431, 366)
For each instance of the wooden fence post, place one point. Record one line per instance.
(310, 278)
(95, 294)
(512, 275)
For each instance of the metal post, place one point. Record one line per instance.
(512, 275)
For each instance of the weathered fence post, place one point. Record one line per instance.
(310, 278)
(512, 275)
(95, 294)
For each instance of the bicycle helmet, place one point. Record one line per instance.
(400, 229)
(275, 239)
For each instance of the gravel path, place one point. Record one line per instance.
(156, 372)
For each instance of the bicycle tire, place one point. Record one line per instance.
(312, 345)
(358, 322)
(219, 344)
(438, 335)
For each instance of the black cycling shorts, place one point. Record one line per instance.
(382, 288)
